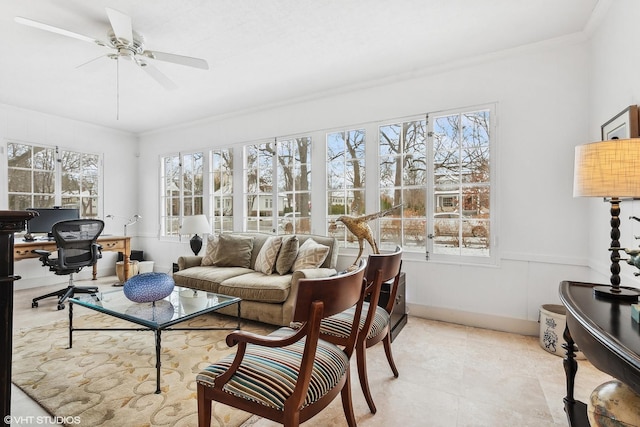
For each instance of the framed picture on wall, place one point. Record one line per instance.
(623, 126)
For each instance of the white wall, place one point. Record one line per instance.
(120, 165)
(542, 99)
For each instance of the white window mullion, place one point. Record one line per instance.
(58, 180)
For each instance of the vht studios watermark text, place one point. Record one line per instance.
(44, 419)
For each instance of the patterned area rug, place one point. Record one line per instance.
(108, 377)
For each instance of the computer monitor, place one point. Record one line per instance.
(43, 223)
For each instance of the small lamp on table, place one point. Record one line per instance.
(610, 169)
(195, 224)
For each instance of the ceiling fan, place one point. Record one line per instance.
(126, 44)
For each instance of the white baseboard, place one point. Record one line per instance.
(477, 320)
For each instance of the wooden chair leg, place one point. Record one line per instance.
(361, 358)
(347, 405)
(204, 408)
(291, 418)
(387, 349)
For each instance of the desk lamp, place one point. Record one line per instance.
(610, 169)
(193, 225)
(130, 221)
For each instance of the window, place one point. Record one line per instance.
(80, 182)
(288, 204)
(258, 173)
(345, 181)
(43, 177)
(221, 185)
(403, 179)
(460, 215)
(294, 185)
(445, 210)
(434, 178)
(182, 177)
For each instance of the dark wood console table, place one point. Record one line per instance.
(10, 222)
(399, 314)
(607, 335)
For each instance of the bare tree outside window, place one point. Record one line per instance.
(294, 185)
(221, 184)
(182, 178)
(289, 203)
(345, 181)
(259, 187)
(403, 179)
(33, 172)
(80, 182)
(462, 191)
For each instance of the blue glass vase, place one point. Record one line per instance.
(148, 287)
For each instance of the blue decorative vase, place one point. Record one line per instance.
(148, 287)
(158, 311)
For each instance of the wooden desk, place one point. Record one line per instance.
(607, 335)
(22, 249)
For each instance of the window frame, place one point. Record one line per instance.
(408, 225)
(332, 227)
(277, 221)
(58, 174)
(217, 204)
(372, 189)
(182, 196)
(493, 256)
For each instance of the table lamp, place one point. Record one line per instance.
(610, 169)
(193, 225)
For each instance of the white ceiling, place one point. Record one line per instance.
(260, 52)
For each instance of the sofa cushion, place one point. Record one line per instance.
(287, 255)
(331, 242)
(257, 287)
(310, 255)
(266, 259)
(210, 253)
(233, 251)
(207, 278)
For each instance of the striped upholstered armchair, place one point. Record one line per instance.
(375, 320)
(290, 375)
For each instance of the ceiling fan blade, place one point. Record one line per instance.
(177, 59)
(157, 75)
(121, 24)
(51, 28)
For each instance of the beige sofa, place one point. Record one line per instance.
(266, 298)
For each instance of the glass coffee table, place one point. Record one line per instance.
(183, 304)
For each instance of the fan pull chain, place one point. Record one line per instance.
(118, 88)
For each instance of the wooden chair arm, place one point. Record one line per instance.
(244, 337)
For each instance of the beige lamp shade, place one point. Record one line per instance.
(607, 169)
(196, 224)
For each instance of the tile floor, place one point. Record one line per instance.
(450, 375)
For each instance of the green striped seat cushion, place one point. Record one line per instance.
(339, 325)
(268, 375)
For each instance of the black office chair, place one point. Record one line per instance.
(77, 248)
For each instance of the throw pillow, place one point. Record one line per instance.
(266, 260)
(233, 251)
(310, 255)
(287, 255)
(210, 253)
